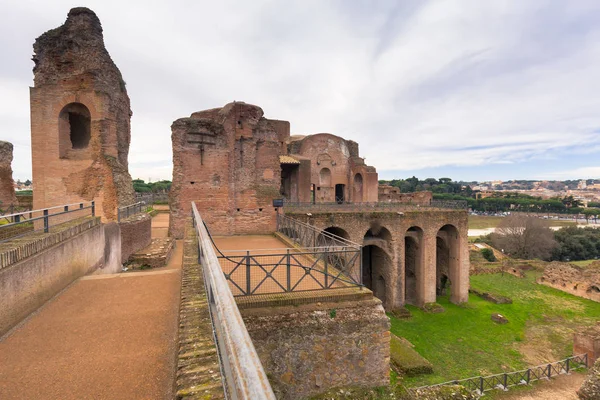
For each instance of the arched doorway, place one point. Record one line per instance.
(358, 189)
(447, 262)
(375, 263)
(413, 264)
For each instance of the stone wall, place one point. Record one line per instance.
(392, 230)
(136, 233)
(7, 189)
(227, 161)
(80, 119)
(579, 281)
(40, 274)
(311, 348)
(588, 342)
(391, 194)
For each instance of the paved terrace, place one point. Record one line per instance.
(105, 336)
(271, 251)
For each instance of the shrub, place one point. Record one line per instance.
(488, 254)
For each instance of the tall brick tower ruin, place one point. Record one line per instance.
(80, 119)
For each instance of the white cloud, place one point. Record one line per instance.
(417, 84)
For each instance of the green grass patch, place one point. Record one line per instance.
(582, 263)
(464, 341)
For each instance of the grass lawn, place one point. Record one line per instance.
(582, 263)
(483, 222)
(463, 341)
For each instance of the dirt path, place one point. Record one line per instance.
(559, 388)
(105, 337)
(160, 225)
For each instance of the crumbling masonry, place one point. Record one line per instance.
(80, 119)
(7, 189)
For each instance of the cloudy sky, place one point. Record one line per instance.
(468, 89)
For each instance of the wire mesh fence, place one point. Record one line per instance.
(16, 225)
(503, 381)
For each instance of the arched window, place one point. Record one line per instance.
(325, 177)
(74, 125)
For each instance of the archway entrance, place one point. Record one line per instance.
(339, 193)
(375, 262)
(413, 264)
(447, 262)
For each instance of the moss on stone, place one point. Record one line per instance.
(405, 360)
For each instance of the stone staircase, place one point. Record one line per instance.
(155, 255)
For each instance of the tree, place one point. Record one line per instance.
(524, 237)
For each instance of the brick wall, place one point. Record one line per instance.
(73, 74)
(392, 195)
(136, 233)
(227, 161)
(7, 190)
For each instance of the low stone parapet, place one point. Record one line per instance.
(136, 233)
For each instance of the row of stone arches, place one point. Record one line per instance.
(410, 273)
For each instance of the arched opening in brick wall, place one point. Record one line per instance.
(335, 230)
(447, 260)
(358, 189)
(325, 177)
(74, 126)
(413, 263)
(376, 264)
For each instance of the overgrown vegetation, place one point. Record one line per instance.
(151, 187)
(463, 341)
(488, 254)
(524, 237)
(576, 244)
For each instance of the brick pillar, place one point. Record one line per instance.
(460, 275)
(426, 274)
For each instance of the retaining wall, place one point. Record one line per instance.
(35, 268)
(311, 348)
(136, 233)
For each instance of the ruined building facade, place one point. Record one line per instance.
(7, 189)
(80, 119)
(234, 162)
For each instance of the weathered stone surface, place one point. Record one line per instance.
(499, 318)
(590, 388)
(136, 234)
(7, 190)
(450, 392)
(310, 349)
(80, 119)
(227, 161)
(491, 297)
(588, 342)
(570, 278)
(391, 194)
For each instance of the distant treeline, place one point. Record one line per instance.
(155, 187)
(575, 244)
(446, 189)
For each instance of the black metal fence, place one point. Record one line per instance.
(13, 226)
(503, 381)
(152, 198)
(131, 210)
(377, 206)
(321, 261)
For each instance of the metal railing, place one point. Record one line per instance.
(321, 261)
(131, 210)
(152, 198)
(377, 206)
(503, 381)
(13, 226)
(243, 374)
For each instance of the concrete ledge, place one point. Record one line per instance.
(19, 249)
(198, 371)
(307, 297)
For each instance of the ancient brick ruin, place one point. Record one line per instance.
(579, 281)
(7, 189)
(80, 119)
(227, 160)
(391, 194)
